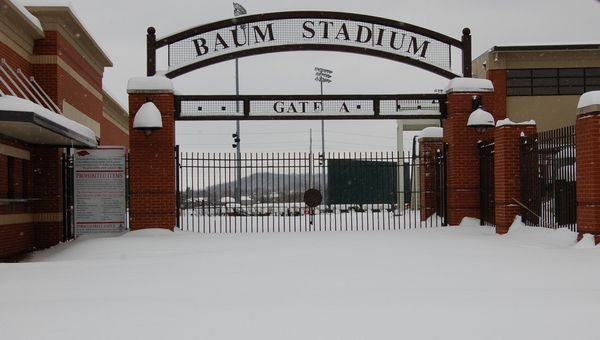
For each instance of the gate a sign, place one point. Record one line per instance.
(100, 190)
(250, 35)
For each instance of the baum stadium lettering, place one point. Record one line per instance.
(316, 31)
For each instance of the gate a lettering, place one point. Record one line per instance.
(297, 107)
(344, 108)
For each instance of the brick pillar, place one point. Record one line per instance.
(152, 188)
(428, 147)
(507, 173)
(498, 78)
(587, 143)
(463, 154)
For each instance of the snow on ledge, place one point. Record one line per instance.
(25, 13)
(150, 84)
(586, 242)
(12, 103)
(431, 132)
(507, 121)
(589, 102)
(469, 85)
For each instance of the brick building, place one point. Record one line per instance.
(51, 101)
(540, 82)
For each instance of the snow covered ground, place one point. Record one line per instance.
(443, 283)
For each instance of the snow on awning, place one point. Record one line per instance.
(31, 123)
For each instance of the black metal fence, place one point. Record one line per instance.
(487, 184)
(548, 179)
(68, 178)
(360, 192)
(440, 188)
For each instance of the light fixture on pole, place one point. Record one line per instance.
(323, 75)
(480, 120)
(147, 118)
(237, 11)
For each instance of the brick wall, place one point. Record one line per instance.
(3, 178)
(59, 84)
(428, 148)
(507, 173)
(15, 61)
(152, 167)
(463, 155)
(587, 141)
(43, 174)
(112, 135)
(48, 188)
(498, 78)
(16, 239)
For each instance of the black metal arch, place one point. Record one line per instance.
(153, 44)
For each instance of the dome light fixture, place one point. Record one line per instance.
(480, 120)
(148, 118)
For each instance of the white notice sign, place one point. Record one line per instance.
(100, 198)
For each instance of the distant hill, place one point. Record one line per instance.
(264, 187)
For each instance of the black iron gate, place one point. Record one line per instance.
(487, 183)
(68, 173)
(440, 184)
(548, 179)
(360, 192)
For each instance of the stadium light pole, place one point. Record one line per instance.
(323, 75)
(237, 11)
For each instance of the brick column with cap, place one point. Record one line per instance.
(507, 171)
(430, 143)
(587, 136)
(152, 187)
(463, 154)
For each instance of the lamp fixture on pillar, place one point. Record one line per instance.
(480, 120)
(148, 118)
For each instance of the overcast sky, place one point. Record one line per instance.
(120, 26)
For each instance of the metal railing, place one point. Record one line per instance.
(360, 192)
(548, 179)
(487, 183)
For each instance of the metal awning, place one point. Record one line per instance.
(30, 123)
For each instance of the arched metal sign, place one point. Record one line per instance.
(309, 31)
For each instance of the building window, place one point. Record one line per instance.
(552, 81)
